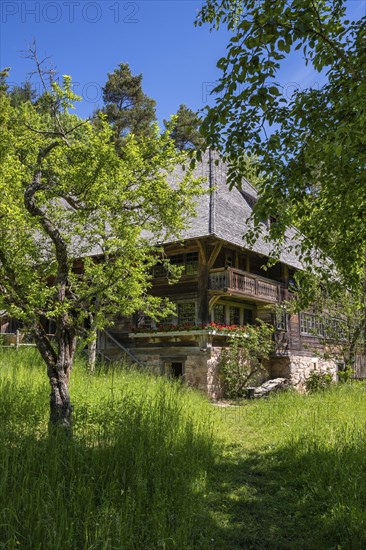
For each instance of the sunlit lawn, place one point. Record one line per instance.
(153, 465)
(293, 472)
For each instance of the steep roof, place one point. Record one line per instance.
(224, 213)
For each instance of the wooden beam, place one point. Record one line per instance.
(247, 263)
(213, 301)
(216, 251)
(203, 273)
(202, 250)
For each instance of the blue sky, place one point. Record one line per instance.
(87, 39)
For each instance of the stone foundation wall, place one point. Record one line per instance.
(302, 367)
(195, 371)
(200, 368)
(152, 362)
(214, 387)
(297, 368)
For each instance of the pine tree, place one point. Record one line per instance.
(186, 134)
(24, 92)
(129, 110)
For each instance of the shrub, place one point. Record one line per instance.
(242, 361)
(345, 374)
(318, 381)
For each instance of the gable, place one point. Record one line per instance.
(224, 213)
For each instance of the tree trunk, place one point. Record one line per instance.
(59, 364)
(92, 351)
(60, 404)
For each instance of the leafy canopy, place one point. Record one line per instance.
(79, 226)
(242, 362)
(312, 146)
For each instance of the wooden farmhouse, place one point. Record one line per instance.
(222, 281)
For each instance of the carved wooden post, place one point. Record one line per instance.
(203, 272)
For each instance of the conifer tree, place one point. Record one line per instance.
(129, 110)
(186, 134)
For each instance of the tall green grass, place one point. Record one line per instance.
(132, 476)
(293, 473)
(152, 465)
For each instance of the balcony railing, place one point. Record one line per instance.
(240, 282)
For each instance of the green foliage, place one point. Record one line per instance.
(339, 315)
(185, 132)
(4, 73)
(241, 362)
(345, 375)
(80, 224)
(127, 107)
(132, 477)
(313, 156)
(22, 94)
(88, 204)
(288, 471)
(318, 381)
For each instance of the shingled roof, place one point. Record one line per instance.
(224, 213)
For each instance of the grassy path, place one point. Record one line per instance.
(292, 473)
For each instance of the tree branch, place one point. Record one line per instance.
(37, 212)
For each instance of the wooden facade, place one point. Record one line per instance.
(210, 290)
(224, 281)
(214, 288)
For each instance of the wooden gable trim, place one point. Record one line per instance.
(214, 254)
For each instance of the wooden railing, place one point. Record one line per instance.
(241, 282)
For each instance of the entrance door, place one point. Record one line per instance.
(177, 369)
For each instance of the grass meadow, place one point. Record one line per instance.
(132, 477)
(153, 465)
(292, 472)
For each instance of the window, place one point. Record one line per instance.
(177, 259)
(311, 325)
(186, 313)
(228, 260)
(334, 329)
(166, 321)
(219, 314)
(234, 315)
(191, 263)
(159, 270)
(237, 315)
(143, 320)
(281, 319)
(248, 317)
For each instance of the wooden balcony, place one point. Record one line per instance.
(235, 281)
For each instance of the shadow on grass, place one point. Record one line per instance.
(136, 484)
(292, 498)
